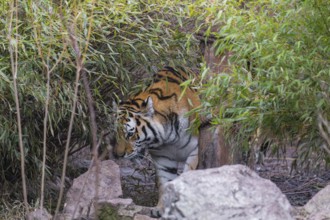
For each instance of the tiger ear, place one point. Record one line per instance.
(114, 106)
(148, 105)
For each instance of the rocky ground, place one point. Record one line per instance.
(138, 180)
(299, 187)
(135, 182)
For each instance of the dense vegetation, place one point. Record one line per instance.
(44, 43)
(278, 84)
(279, 78)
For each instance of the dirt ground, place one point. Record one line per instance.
(298, 186)
(138, 181)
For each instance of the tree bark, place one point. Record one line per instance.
(214, 149)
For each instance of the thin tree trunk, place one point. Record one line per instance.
(214, 149)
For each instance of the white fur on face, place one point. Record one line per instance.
(129, 128)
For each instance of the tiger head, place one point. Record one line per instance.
(130, 121)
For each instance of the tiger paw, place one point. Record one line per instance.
(155, 212)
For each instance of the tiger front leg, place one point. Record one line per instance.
(192, 161)
(165, 172)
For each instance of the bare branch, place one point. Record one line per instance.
(45, 62)
(13, 50)
(82, 71)
(44, 142)
(73, 110)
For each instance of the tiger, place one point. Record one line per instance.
(156, 120)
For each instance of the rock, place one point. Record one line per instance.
(38, 214)
(228, 192)
(143, 217)
(63, 216)
(79, 203)
(322, 215)
(123, 209)
(299, 213)
(319, 206)
(116, 202)
(138, 181)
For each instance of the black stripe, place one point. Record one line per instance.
(152, 129)
(170, 170)
(185, 145)
(155, 141)
(128, 108)
(159, 93)
(175, 72)
(167, 79)
(129, 102)
(135, 103)
(144, 132)
(168, 158)
(164, 177)
(172, 80)
(164, 116)
(173, 117)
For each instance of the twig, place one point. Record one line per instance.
(75, 99)
(84, 183)
(14, 66)
(73, 110)
(44, 143)
(93, 127)
(92, 118)
(80, 70)
(90, 102)
(71, 152)
(48, 72)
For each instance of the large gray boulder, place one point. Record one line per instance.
(38, 214)
(319, 206)
(81, 197)
(228, 192)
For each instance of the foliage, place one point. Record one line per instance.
(11, 210)
(119, 41)
(280, 72)
(279, 79)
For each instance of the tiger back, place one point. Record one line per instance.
(155, 119)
